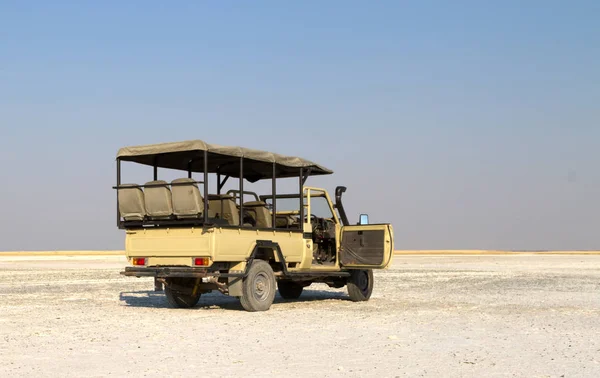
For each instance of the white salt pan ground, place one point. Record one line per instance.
(452, 316)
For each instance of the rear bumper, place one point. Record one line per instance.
(185, 271)
(164, 272)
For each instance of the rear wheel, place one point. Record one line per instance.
(258, 287)
(180, 293)
(360, 285)
(289, 289)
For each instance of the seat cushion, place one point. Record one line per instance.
(158, 200)
(131, 202)
(187, 201)
(261, 214)
(224, 207)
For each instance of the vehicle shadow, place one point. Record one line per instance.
(218, 301)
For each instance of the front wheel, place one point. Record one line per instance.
(360, 285)
(258, 287)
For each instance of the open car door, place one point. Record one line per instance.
(366, 246)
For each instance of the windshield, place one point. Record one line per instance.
(319, 206)
(285, 204)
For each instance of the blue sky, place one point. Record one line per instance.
(465, 124)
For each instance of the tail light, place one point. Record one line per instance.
(139, 261)
(201, 261)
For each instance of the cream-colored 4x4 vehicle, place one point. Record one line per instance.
(241, 243)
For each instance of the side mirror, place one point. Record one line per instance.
(364, 219)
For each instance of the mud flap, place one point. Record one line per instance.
(234, 284)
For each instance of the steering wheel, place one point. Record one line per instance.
(312, 216)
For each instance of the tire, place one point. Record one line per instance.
(289, 289)
(178, 299)
(360, 285)
(258, 287)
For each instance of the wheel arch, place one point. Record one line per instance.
(270, 252)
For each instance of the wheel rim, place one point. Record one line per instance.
(363, 282)
(262, 287)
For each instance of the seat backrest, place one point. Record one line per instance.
(222, 206)
(285, 220)
(282, 221)
(158, 200)
(187, 201)
(261, 214)
(131, 202)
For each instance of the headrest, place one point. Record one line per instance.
(219, 196)
(184, 180)
(254, 204)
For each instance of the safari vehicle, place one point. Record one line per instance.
(195, 242)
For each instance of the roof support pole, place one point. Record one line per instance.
(221, 184)
(118, 184)
(306, 177)
(241, 192)
(190, 169)
(155, 168)
(205, 187)
(218, 183)
(301, 182)
(274, 193)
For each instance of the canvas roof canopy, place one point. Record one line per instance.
(189, 156)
